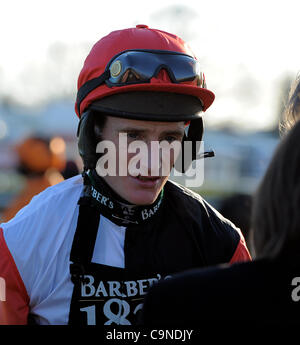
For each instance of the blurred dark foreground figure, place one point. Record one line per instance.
(237, 208)
(260, 293)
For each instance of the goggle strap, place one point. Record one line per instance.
(89, 86)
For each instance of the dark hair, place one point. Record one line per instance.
(291, 113)
(276, 205)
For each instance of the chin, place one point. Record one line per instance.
(134, 191)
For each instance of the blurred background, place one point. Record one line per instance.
(248, 50)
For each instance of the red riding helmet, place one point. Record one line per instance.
(143, 51)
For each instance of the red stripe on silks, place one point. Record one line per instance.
(14, 306)
(241, 253)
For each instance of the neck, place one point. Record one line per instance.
(111, 205)
(99, 182)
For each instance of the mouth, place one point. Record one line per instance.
(147, 178)
(147, 181)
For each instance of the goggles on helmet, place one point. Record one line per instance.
(139, 66)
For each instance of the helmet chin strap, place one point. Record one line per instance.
(87, 141)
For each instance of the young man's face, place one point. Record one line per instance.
(144, 188)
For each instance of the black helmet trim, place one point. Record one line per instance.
(150, 106)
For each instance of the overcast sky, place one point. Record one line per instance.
(245, 47)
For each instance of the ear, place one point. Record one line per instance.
(86, 140)
(194, 134)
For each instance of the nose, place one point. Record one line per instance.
(149, 162)
(154, 159)
(160, 159)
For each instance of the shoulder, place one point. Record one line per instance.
(43, 230)
(219, 238)
(179, 194)
(48, 200)
(213, 277)
(48, 211)
(176, 189)
(215, 291)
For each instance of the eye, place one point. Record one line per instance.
(132, 135)
(170, 138)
